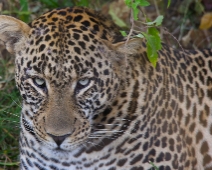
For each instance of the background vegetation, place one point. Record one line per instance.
(186, 24)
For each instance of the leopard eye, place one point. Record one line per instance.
(82, 84)
(39, 82)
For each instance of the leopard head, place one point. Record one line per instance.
(69, 69)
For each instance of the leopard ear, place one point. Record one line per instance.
(12, 31)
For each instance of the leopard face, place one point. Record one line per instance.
(92, 100)
(63, 84)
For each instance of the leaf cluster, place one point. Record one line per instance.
(152, 35)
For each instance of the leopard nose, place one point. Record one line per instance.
(58, 139)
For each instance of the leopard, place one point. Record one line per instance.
(91, 99)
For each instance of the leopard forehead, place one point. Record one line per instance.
(68, 40)
(74, 20)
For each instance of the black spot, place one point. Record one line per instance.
(110, 162)
(76, 11)
(78, 18)
(175, 162)
(85, 37)
(92, 47)
(77, 59)
(121, 162)
(92, 60)
(71, 43)
(206, 160)
(70, 26)
(96, 28)
(53, 167)
(136, 159)
(168, 156)
(164, 142)
(29, 162)
(39, 41)
(63, 13)
(145, 146)
(110, 121)
(82, 44)
(52, 44)
(100, 65)
(204, 148)
(107, 111)
(91, 36)
(77, 50)
(34, 59)
(29, 64)
(160, 157)
(76, 36)
(50, 15)
(106, 72)
(200, 62)
(69, 18)
(47, 38)
(54, 19)
(42, 47)
(136, 127)
(93, 20)
(86, 23)
(137, 168)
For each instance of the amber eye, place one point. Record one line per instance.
(39, 82)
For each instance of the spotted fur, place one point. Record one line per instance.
(93, 101)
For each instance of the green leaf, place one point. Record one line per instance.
(155, 167)
(50, 3)
(199, 8)
(135, 14)
(140, 36)
(153, 44)
(154, 33)
(134, 5)
(123, 33)
(157, 21)
(24, 7)
(152, 55)
(82, 2)
(144, 3)
(169, 2)
(128, 3)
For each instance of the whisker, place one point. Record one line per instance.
(101, 137)
(94, 144)
(105, 132)
(95, 136)
(108, 130)
(108, 124)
